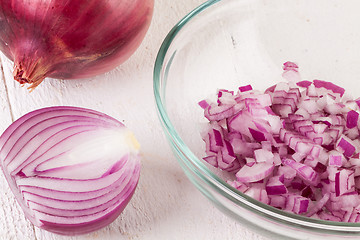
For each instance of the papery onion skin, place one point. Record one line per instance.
(70, 39)
(60, 187)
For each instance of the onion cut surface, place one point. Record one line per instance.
(294, 146)
(72, 170)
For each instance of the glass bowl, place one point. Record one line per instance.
(224, 44)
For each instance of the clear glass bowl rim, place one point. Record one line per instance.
(205, 173)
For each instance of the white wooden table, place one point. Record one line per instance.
(165, 205)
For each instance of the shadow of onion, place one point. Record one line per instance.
(160, 196)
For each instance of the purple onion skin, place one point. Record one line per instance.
(70, 39)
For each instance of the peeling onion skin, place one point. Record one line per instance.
(72, 170)
(70, 39)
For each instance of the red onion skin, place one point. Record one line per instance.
(70, 39)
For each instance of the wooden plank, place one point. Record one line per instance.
(13, 222)
(5, 108)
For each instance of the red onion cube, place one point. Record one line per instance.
(358, 102)
(278, 201)
(311, 91)
(264, 99)
(297, 204)
(320, 168)
(218, 138)
(352, 118)
(291, 75)
(258, 192)
(278, 100)
(327, 216)
(355, 161)
(296, 91)
(320, 127)
(315, 151)
(257, 111)
(275, 123)
(277, 159)
(345, 146)
(349, 200)
(330, 86)
(305, 172)
(335, 160)
(215, 113)
(334, 109)
(344, 181)
(257, 135)
(288, 172)
(203, 104)
(304, 84)
(309, 105)
(263, 155)
(282, 110)
(298, 156)
(319, 204)
(302, 112)
(245, 88)
(267, 145)
(275, 187)
(282, 86)
(242, 187)
(290, 66)
(352, 133)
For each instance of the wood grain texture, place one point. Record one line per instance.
(165, 205)
(13, 224)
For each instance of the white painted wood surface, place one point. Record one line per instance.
(165, 205)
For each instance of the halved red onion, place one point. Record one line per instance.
(72, 170)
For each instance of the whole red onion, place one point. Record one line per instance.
(70, 39)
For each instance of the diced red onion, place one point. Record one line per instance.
(296, 146)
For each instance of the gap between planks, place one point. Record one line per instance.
(6, 90)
